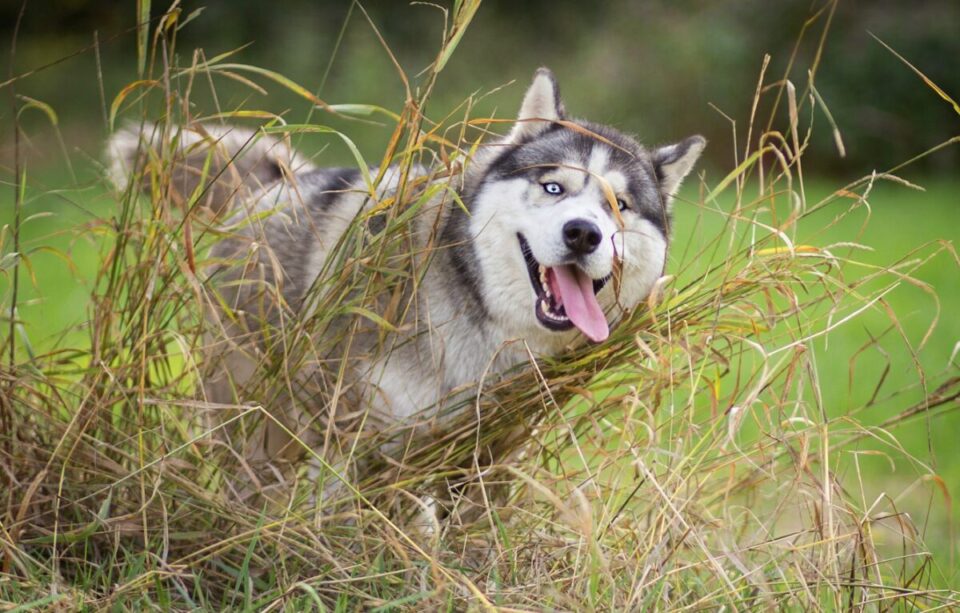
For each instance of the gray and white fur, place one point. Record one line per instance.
(565, 230)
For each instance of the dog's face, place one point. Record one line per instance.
(570, 222)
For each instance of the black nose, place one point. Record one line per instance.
(581, 236)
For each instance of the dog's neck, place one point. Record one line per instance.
(450, 353)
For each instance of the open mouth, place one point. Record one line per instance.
(566, 296)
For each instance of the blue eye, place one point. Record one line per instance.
(622, 204)
(554, 189)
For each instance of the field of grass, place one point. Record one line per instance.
(870, 356)
(770, 433)
(62, 238)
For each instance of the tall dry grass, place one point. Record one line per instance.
(687, 462)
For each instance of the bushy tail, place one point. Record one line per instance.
(215, 162)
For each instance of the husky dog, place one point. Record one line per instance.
(560, 229)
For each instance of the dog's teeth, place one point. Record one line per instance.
(543, 278)
(547, 312)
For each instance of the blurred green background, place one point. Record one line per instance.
(661, 70)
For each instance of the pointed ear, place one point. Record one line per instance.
(541, 106)
(674, 162)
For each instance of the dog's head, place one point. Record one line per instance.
(569, 222)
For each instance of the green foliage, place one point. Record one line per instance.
(655, 68)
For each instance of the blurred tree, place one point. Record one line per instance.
(650, 67)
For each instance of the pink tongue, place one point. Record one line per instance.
(580, 303)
